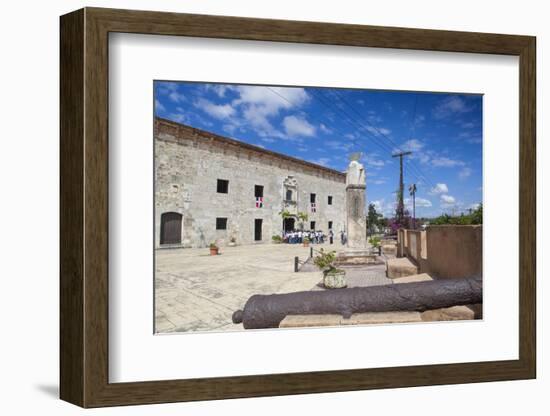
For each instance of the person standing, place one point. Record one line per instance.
(330, 236)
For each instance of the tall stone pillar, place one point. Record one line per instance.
(357, 251)
(356, 187)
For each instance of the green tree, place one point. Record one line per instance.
(373, 218)
(302, 218)
(474, 217)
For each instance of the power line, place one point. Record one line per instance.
(346, 118)
(309, 115)
(354, 123)
(416, 169)
(412, 165)
(359, 126)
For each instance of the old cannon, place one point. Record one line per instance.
(267, 311)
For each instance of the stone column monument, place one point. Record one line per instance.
(357, 249)
(356, 186)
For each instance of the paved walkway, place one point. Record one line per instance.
(198, 292)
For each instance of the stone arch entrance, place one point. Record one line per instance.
(170, 228)
(289, 224)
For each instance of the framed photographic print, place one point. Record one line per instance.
(255, 207)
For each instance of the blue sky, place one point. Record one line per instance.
(326, 125)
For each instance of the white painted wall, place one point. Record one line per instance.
(29, 172)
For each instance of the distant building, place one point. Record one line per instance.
(212, 188)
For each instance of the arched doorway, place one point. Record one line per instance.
(288, 224)
(170, 228)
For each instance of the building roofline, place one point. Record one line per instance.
(234, 142)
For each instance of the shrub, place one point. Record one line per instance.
(325, 261)
(277, 239)
(374, 241)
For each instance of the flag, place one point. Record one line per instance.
(259, 202)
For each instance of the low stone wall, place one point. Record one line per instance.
(454, 250)
(444, 251)
(414, 244)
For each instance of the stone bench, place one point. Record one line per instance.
(400, 267)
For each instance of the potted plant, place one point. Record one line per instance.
(375, 242)
(214, 249)
(232, 242)
(333, 278)
(305, 242)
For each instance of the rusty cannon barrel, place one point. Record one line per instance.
(267, 311)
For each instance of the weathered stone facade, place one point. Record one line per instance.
(188, 164)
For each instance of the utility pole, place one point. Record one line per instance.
(412, 191)
(400, 212)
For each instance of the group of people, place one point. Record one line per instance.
(315, 237)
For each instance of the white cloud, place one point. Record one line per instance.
(439, 188)
(375, 163)
(230, 128)
(464, 173)
(446, 162)
(178, 117)
(297, 126)
(219, 90)
(412, 145)
(338, 145)
(271, 98)
(447, 201)
(170, 89)
(219, 111)
(158, 106)
(323, 161)
(378, 131)
(419, 202)
(325, 129)
(383, 207)
(371, 160)
(259, 104)
(450, 105)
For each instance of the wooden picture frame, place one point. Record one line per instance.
(84, 207)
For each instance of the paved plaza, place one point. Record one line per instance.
(198, 292)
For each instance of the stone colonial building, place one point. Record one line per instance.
(212, 188)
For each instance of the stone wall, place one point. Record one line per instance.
(454, 250)
(188, 163)
(444, 251)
